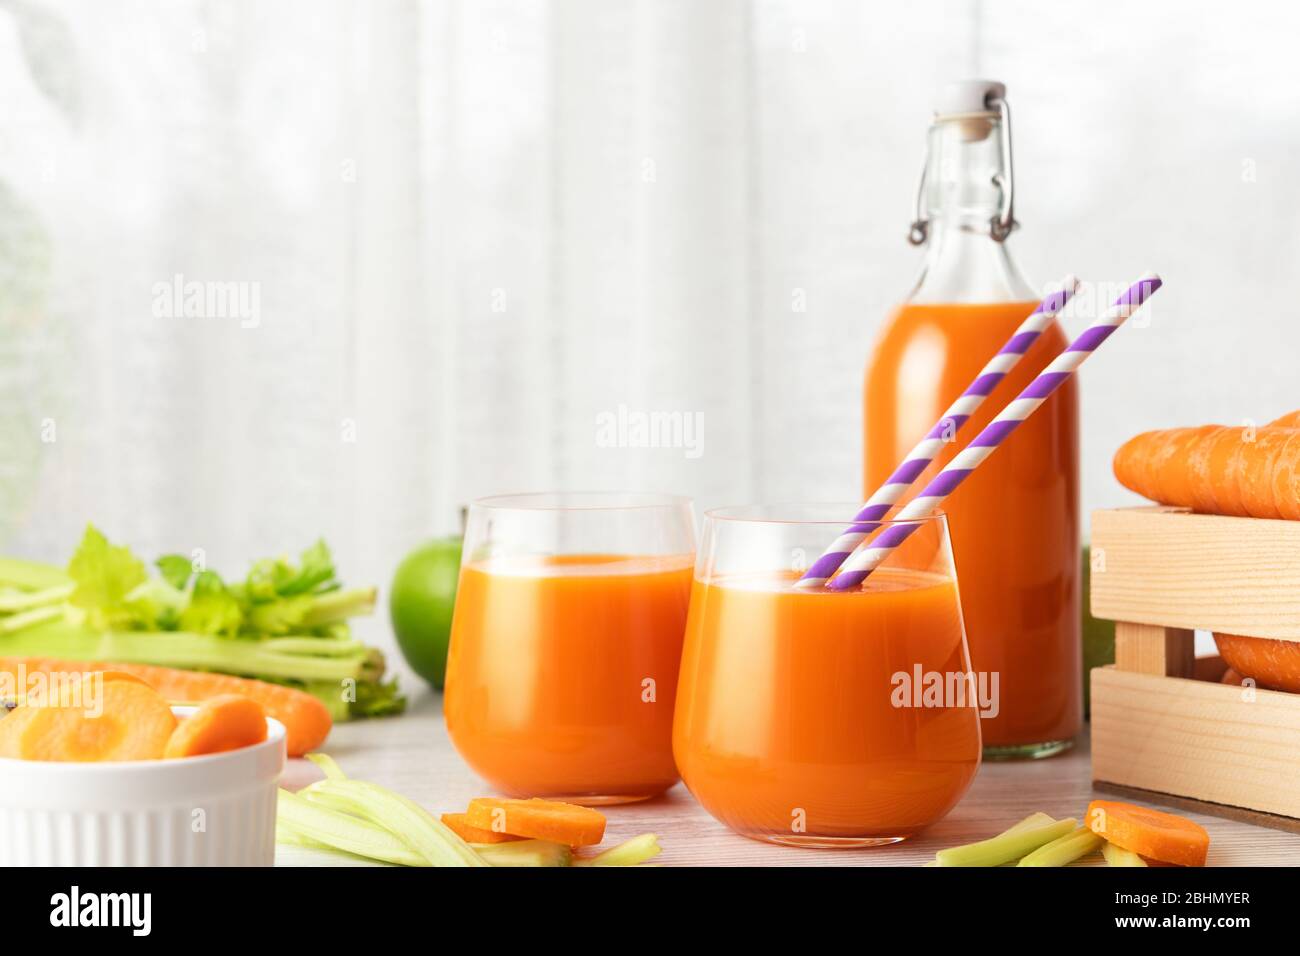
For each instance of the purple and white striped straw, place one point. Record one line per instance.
(918, 459)
(866, 560)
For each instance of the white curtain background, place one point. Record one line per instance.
(473, 227)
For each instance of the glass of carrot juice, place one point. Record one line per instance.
(821, 718)
(565, 643)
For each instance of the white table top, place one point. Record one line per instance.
(411, 754)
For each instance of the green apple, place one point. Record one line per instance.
(420, 604)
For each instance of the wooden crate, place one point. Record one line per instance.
(1163, 729)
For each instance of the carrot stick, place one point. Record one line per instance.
(538, 819)
(305, 718)
(459, 822)
(1216, 469)
(221, 723)
(1152, 834)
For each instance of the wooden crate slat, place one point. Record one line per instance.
(1162, 566)
(1196, 739)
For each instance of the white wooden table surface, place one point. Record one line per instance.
(411, 754)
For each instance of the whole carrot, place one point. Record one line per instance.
(1289, 420)
(306, 720)
(1216, 469)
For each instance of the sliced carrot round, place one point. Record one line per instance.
(127, 721)
(108, 675)
(538, 819)
(11, 730)
(225, 722)
(1149, 833)
(459, 823)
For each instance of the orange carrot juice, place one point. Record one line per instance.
(793, 722)
(1014, 522)
(563, 671)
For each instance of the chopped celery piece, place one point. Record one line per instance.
(327, 764)
(342, 831)
(1038, 819)
(632, 853)
(1118, 856)
(1064, 850)
(525, 853)
(1030, 822)
(1005, 847)
(404, 818)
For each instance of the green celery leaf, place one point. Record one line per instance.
(176, 570)
(273, 578)
(104, 574)
(377, 699)
(316, 568)
(156, 605)
(212, 609)
(264, 579)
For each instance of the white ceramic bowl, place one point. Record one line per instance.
(217, 810)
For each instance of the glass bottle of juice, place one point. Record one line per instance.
(1015, 521)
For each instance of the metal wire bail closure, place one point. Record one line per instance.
(1004, 223)
(1000, 225)
(920, 229)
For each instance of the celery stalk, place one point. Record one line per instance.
(60, 638)
(340, 605)
(1118, 856)
(13, 623)
(342, 831)
(1064, 850)
(316, 646)
(404, 818)
(631, 853)
(1005, 847)
(31, 575)
(328, 765)
(286, 835)
(26, 600)
(535, 853)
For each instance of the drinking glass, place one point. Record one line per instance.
(822, 718)
(566, 641)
